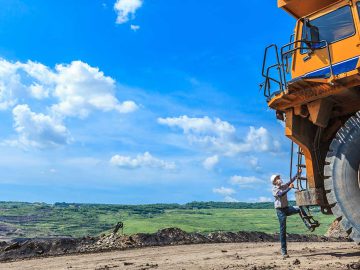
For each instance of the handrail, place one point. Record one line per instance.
(268, 79)
(326, 45)
(266, 75)
(286, 50)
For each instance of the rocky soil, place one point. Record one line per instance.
(335, 230)
(31, 248)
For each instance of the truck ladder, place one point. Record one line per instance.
(302, 184)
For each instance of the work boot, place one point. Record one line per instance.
(285, 256)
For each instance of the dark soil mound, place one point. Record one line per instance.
(21, 249)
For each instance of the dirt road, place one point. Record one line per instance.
(209, 256)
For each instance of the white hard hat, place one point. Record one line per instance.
(273, 177)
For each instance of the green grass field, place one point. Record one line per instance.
(42, 220)
(210, 220)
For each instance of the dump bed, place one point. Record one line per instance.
(301, 8)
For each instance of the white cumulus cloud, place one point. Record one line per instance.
(204, 125)
(221, 137)
(210, 162)
(78, 88)
(81, 88)
(126, 9)
(246, 181)
(10, 84)
(20, 79)
(260, 140)
(38, 130)
(38, 71)
(38, 91)
(224, 191)
(142, 160)
(68, 90)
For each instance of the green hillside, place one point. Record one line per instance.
(61, 219)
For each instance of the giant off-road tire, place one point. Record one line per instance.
(342, 176)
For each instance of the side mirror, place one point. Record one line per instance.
(314, 33)
(315, 38)
(312, 36)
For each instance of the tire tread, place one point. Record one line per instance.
(352, 123)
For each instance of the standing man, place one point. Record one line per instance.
(282, 207)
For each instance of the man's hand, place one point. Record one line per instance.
(299, 171)
(291, 185)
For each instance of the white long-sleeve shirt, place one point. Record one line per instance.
(280, 195)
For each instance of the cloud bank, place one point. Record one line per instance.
(221, 137)
(68, 90)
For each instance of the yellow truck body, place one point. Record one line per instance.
(317, 95)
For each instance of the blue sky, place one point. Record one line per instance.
(137, 101)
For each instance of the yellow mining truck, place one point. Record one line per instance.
(313, 84)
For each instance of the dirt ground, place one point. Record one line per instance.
(18, 249)
(254, 256)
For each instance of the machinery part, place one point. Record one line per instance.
(310, 197)
(119, 226)
(306, 135)
(342, 176)
(308, 219)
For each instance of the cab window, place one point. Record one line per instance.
(334, 26)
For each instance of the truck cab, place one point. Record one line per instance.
(334, 27)
(325, 47)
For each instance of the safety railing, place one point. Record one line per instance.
(282, 63)
(266, 85)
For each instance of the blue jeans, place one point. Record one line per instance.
(282, 213)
